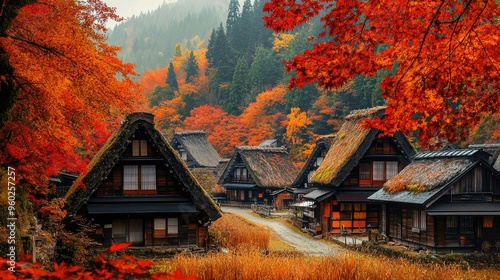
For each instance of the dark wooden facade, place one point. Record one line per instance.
(349, 209)
(254, 173)
(139, 190)
(460, 214)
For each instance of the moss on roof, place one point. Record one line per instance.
(425, 175)
(348, 140)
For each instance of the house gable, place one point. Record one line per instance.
(173, 178)
(317, 156)
(352, 143)
(266, 166)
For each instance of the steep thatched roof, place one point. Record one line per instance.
(268, 166)
(429, 174)
(196, 144)
(110, 153)
(351, 143)
(322, 143)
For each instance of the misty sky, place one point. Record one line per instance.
(128, 8)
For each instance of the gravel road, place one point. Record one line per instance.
(302, 243)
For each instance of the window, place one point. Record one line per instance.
(488, 222)
(391, 169)
(139, 177)
(364, 171)
(139, 148)
(319, 160)
(173, 226)
(148, 177)
(240, 174)
(465, 223)
(160, 228)
(242, 195)
(419, 219)
(130, 177)
(249, 194)
(378, 170)
(451, 224)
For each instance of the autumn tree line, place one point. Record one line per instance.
(239, 80)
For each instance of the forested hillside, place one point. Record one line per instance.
(148, 40)
(238, 78)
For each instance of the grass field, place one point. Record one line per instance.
(253, 253)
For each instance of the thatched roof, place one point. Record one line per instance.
(268, 166)
(351, 143)
(109, 155)
(322, 143)
(429, 174)
(196, 144)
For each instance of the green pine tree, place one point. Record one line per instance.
(192, 68)
(172, 77)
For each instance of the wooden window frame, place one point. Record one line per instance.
(140, 148)
(160, 228)
(140, 181)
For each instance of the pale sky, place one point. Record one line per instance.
(128, 8)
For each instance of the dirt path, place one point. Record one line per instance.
(302, 243)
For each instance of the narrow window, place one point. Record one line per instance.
(160, 228)
(391, 169)
(148, 177)
(364, 171)
(378, 171)
(139, 148)
(130, 177)
(451, 224)
(173, 226)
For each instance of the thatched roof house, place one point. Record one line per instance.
(194, 148)
(268, 166)
(352, 141)
(137, 181)
(430, 175)
(443, 201)
(317, 156)
(259, 170)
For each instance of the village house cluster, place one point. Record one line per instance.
(144, 189)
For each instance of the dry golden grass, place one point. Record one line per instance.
(231, 231)
(253, 264)
(251, 257)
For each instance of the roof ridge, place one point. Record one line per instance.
(456, 153)
(365, 113)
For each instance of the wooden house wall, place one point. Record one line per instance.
(479, 180)
(353, 217)
(401, 227)
(190, 233)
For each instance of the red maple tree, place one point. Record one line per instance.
(446, 53)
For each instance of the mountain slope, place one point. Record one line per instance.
(148, 40)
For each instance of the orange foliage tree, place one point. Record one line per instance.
(298, 134)
(61, 77)
(447, 58)
(224, 134)
(263, 117)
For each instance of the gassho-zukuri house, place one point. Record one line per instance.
(138, 189)
(254, 173)
(444, 201)
(356, 165)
